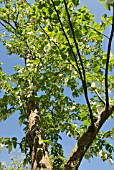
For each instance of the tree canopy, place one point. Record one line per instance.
(61, 45)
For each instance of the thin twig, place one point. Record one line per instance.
(72, 65)
(107, 62)
(9, 24)
(49, 38)
(100, 98)
(97, 31)
(2, 24)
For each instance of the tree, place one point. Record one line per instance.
(62, 48)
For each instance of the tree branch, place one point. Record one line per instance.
(9, 24)
(97, 93)
(67, 40)
(50, 38)
(2, 24)
(107, 62)
(83, 69)
(98, 31)
(100, 98)
(86, 140)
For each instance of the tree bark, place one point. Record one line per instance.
(38, 150)
(86, 140)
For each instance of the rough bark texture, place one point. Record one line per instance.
(39, 154)
(38, 151)
(86, 140)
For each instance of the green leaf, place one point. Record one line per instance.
(97, 68)
(9, 148)
(14, 142)
(86, 122)
(83, 115)
(107, 6)
(101, 1)
(104, 61)
(76, 2)
(17, 68)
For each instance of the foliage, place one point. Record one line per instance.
(62, 53)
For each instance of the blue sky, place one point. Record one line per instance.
(11, 127)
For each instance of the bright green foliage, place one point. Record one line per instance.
(36, 30)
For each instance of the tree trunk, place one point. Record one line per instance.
(38, 150)
(86, 140)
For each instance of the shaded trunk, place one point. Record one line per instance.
(38, 150)
(86, 140)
